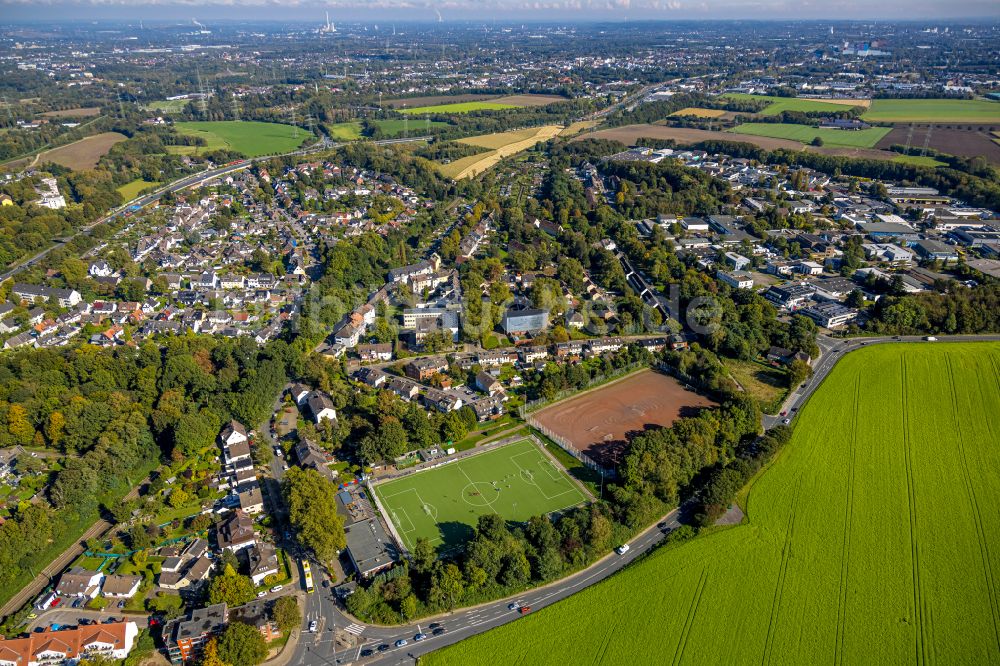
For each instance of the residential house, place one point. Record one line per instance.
(422, 369)
(78, 582)
(66, 646)
(321, 407)
(376, 352)
(488, 384)
(251, 501)
(236, 532)
(100, 268)
(488, 408)
(233, 433)
(185, 638)
(404, 388)
(372, 377)
(263, 561)
(442, 400)
(299, 393)
(32, 293)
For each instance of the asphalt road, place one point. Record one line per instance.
(833, 349)
(318, 649)
(72, 617)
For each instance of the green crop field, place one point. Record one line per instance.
(415, 127)
(779, 104)
(517, 481)
(873, 539)
(459, 107)
(247, 137)
(933, 111)
(865, 138)
(351, 131)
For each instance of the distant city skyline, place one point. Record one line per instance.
(463, 10)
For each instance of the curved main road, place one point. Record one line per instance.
(319, 648)
(833, 349)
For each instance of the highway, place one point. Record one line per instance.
(192, 180)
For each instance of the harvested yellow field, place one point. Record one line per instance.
(502, 145)
(578, 126)
(699, 113)
(495, 141)
(844, 102)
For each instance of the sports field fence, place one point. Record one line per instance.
(562, 443)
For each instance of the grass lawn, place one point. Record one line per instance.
(459, 107)
(131, 190)
(350, 131)
(168, 105)
(779, 104)
(170, 514)
(481, 432)
(917, 160)
(933, 111)
(831, 137)
(767, 385)
(443, 504)
(247, 137)
(871, 539)
(89, 563)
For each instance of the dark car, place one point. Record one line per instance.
(367, 652)
(433, 625)
(438, 631)
(383, 647)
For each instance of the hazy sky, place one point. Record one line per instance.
(560, 10)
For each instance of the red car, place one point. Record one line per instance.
(524, 609)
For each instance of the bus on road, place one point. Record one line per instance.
(308, 577)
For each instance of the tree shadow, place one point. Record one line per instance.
(453, 535)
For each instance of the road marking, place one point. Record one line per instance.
(355, 629)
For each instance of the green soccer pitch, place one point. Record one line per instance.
(443, 504)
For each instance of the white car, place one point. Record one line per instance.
(277, 451)
(262, 593)
(277, 588)
(313, 626)
(622, 549)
